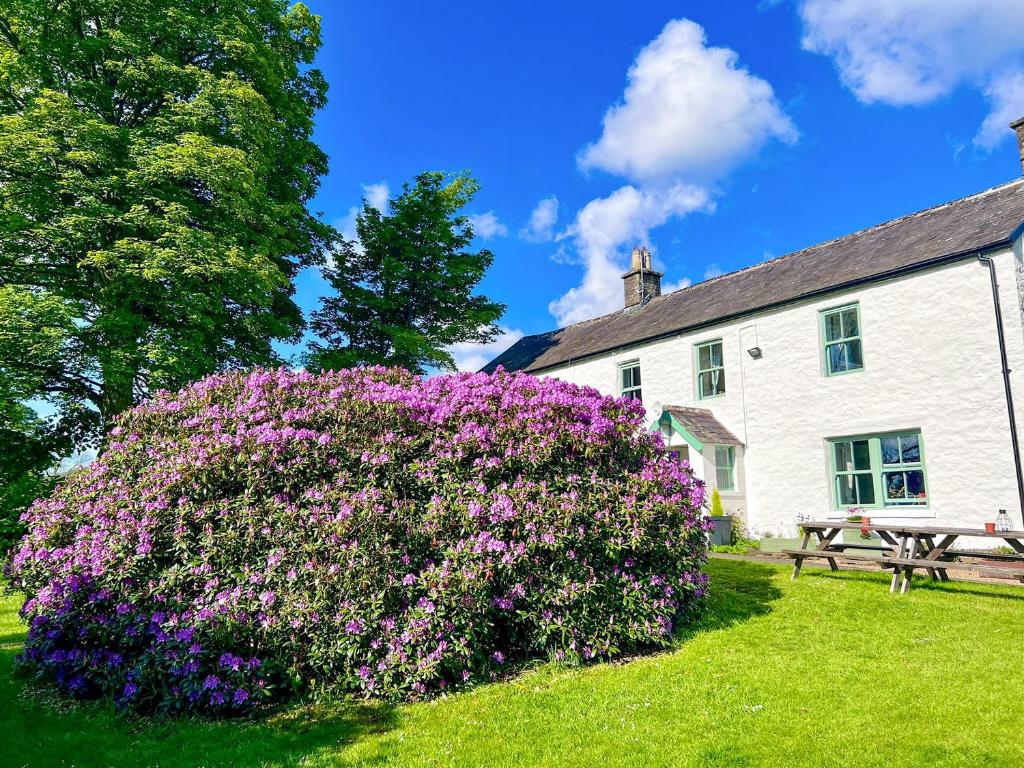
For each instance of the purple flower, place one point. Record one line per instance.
(354, 627)
(211, 682)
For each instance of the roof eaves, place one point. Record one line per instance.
(839, 287)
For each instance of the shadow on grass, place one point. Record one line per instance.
(739, 591)
(921, 581)
(40, 727)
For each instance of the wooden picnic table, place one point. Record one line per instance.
(904, 548)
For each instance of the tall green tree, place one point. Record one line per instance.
(155, 162)
(405, 289)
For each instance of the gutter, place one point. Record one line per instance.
(987, 261)
(919, 266)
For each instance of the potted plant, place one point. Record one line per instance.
(722, 532)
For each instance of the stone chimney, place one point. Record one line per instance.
(1018, 126)
(641, 283)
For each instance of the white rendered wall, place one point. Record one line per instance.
(931, 363)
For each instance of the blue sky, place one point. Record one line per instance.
(737, 131)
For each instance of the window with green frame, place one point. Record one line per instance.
(879, 471)
(840, 333)
(725, 467)
(629, 380)
(710, 369)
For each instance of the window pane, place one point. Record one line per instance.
(718, 382)
(850, 326)
(703, 358)
(636, 375)
(915, 485)
(911, 449)
(716, 354)
(846, 489)
(854, 358)
(844, 457)
(894, 485)
(866, 489)
(833, 326)
(836, 355)
(626, 378)
(633, 394)
(861, 455)
(890, 450)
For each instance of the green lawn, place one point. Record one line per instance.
(830, 670)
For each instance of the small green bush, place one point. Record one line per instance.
(717, 510)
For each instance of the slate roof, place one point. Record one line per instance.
(944, 233)
(702, 424)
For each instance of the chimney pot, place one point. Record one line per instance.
(1018, 126)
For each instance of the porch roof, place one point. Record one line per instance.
(698, 426)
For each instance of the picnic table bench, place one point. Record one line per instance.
(904, 548)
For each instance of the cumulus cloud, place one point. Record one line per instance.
(472, 356)
(689, 114)
(688, 110)
(1005, 93)
(541, 226)
(487, 226)
(602, 227)
(912, 52)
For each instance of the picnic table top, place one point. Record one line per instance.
(912, 529)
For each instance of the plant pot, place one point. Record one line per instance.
(722, 532)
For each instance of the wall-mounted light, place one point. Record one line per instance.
(755, 352)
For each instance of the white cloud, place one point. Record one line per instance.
(376, 196)
(486, 225)
(689, 114)
(540, 228)
(1006, 95)
(912, 52)
(713, 271)
(688, 110)
(602, 227)
(684, 282)
(472, 356)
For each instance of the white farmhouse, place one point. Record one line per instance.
(877, 370)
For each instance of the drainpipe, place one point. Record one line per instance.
(987, 261)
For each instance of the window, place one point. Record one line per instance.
(725, 467)
(879, 470)
(680, 453)
(710, 370)
(629, 378)
(840, 330)
(902, 470)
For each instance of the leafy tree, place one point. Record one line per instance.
(405, 290)
(155, 162)
(29, 449)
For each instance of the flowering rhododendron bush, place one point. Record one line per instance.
(366, 531)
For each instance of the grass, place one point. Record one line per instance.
(830, 670)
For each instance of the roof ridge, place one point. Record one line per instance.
(840, 238)
(771, 262)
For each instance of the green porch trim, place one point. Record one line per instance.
(696, 444)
